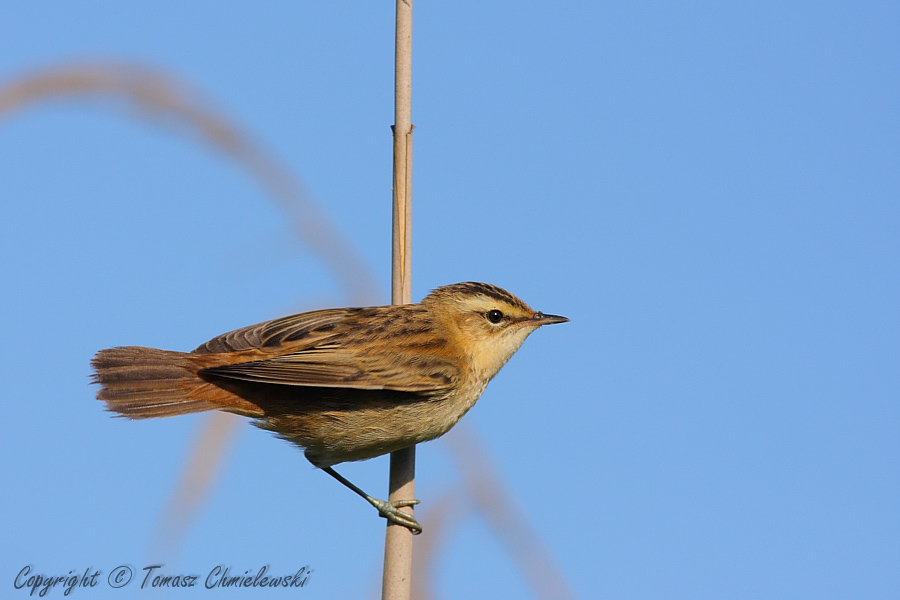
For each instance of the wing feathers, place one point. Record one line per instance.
(306, 328)
(339, 368)
(352, 348)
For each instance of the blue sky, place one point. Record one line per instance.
(710, 192)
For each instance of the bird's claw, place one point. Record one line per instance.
(391, 511)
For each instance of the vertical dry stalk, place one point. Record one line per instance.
(398, 541)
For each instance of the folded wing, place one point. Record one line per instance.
(342, 348)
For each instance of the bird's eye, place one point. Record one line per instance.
(495, 316)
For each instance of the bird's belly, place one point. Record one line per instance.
(371, 429)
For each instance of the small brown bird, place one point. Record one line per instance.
(344, 384)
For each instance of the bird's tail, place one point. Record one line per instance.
(140, 383)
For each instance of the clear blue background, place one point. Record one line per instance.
(711, 191)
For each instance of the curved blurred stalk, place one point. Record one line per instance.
(157, 95)
(161, 98)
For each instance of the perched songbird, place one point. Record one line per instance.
(344, 384)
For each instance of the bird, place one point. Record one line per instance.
(343, 384)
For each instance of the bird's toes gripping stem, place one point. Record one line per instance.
(391, 511)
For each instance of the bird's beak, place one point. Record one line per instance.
(540, 318)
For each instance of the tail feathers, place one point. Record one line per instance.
(141, 383)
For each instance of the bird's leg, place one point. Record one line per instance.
(389, 510)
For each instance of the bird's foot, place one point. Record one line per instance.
(391, 511)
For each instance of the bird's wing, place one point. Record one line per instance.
(334, 348)
(329, 366)
(301, 329)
